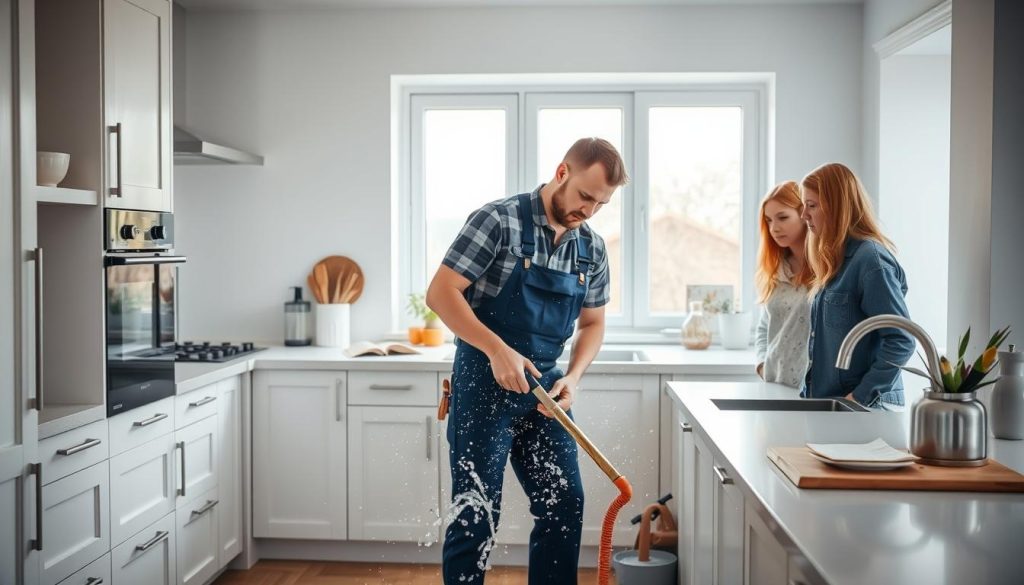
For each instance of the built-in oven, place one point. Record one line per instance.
(141, 292)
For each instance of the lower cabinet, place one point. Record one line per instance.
(76, 522)
(229, 473)
(142, 487)
(147, 557)
(197, 458)
(95, 573)
(196, 526)
(765, 560)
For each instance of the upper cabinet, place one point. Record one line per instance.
(137, 103)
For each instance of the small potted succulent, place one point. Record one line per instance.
(431, 332)
(733, 325)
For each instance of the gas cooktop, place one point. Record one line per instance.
(213, 352)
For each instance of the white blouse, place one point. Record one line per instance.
(783, 330)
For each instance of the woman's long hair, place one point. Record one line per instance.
(848, 214)
(770, 255)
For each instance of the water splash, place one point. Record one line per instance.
(483, 510)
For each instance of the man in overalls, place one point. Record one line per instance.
(512, 285)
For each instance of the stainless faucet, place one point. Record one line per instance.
(881, 321)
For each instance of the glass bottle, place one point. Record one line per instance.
(296, 320)
(695, 332)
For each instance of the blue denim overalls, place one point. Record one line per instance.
(535, 314)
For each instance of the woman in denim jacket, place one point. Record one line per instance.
(856, 276)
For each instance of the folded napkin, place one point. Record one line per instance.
(875, 451)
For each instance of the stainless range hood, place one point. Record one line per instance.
(191, 150)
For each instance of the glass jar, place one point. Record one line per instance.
(696, 333)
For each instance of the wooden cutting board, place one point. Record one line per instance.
(805, 471)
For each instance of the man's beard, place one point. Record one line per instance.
(562, 216)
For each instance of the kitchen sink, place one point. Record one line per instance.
(614, 355)
(797, 405)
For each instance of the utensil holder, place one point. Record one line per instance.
(332, 325)
(949, 429)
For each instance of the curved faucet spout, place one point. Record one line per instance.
(882, 321)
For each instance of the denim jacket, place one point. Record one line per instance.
(870, 282)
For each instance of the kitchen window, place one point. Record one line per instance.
(695, 152)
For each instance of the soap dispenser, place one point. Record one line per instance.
(296, 320)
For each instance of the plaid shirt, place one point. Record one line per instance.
(487, 249)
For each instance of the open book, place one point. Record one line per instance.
(360, 348)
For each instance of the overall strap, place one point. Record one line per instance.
(583, 259)
(526, 222)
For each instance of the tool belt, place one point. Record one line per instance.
(446, 399)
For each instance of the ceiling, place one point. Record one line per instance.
(321, 4)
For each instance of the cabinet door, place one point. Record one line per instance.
(196, 466)
(393, 449)
(229, 477)
(76, 524)
(147, 557)
(299, 455)
(95, 573)
(142, 487)
(196, 527)
(605, 405)
(765, 560)
(728, 529)
(684, 493)
(703, 513)
(137, 94)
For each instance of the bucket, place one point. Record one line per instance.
(630, 570)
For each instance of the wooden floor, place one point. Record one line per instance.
(320, 573)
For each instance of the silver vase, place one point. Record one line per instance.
(1008, 397)
(949, 429)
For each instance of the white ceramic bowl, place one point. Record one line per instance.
(51, 167)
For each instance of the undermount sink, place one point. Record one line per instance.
(614, 355)
(790, 405)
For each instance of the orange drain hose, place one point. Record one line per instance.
(604, 552)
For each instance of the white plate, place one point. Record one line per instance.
(866, 465)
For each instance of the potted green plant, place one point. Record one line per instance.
(430, 333)
(733, 325)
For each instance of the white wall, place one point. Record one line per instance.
(310, 91)
(914, 178)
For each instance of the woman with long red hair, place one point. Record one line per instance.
(783, 278)
(856, 276)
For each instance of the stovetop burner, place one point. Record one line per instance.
(209, 352)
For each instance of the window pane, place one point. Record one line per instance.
(695, 202)
(557, 130)
(463, 168)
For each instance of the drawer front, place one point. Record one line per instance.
(195, 459)
(95, 573)
(142, 487)
(381, 388)
(147, 557)
(76, 525)
(139, 425)
(195, 406)
(74, 450)
(196, 526)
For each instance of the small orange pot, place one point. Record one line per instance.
(415, 335)
(432, 337)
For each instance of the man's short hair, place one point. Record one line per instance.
(587, 151)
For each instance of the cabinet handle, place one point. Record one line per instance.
(338, 384)
(36, 469)
(116, 129)
(145, 423)
(687, 427)
(38, 257)
(181, 445)
(427, 426)
(206, 508)
(722, 477)
(206, 400)
(94, 581)
(160, 535)
(795, 582)
(390, 386)
(88, 444)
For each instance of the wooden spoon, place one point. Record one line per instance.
(342, 267)
(314, 288)
(322, 281)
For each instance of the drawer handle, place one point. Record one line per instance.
(339, 385)
(145, 423)
(206, 508)
(181, 445)
(390, 386)
(88, 444)
(429, 425)
(722, 477)
(36, 469)
(37, 402)
(687, 427)
(160, 535)
(116, 129)
(94, 581)
(206, 400)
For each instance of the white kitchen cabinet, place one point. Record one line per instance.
(299, 454)
(95, 573)
(229, 477)
(683, 488)
(137, 96)
(76, 523)
(196, 463)
(142, 487)
(393, 473)
(147, 557)
(702, 525)
(713, 515)
(728, 522)
(196, 526)
(765, 560)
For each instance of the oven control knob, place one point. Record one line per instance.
(129, 232)
(158, 232)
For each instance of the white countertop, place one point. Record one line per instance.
(663, 359)
(863, 536)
